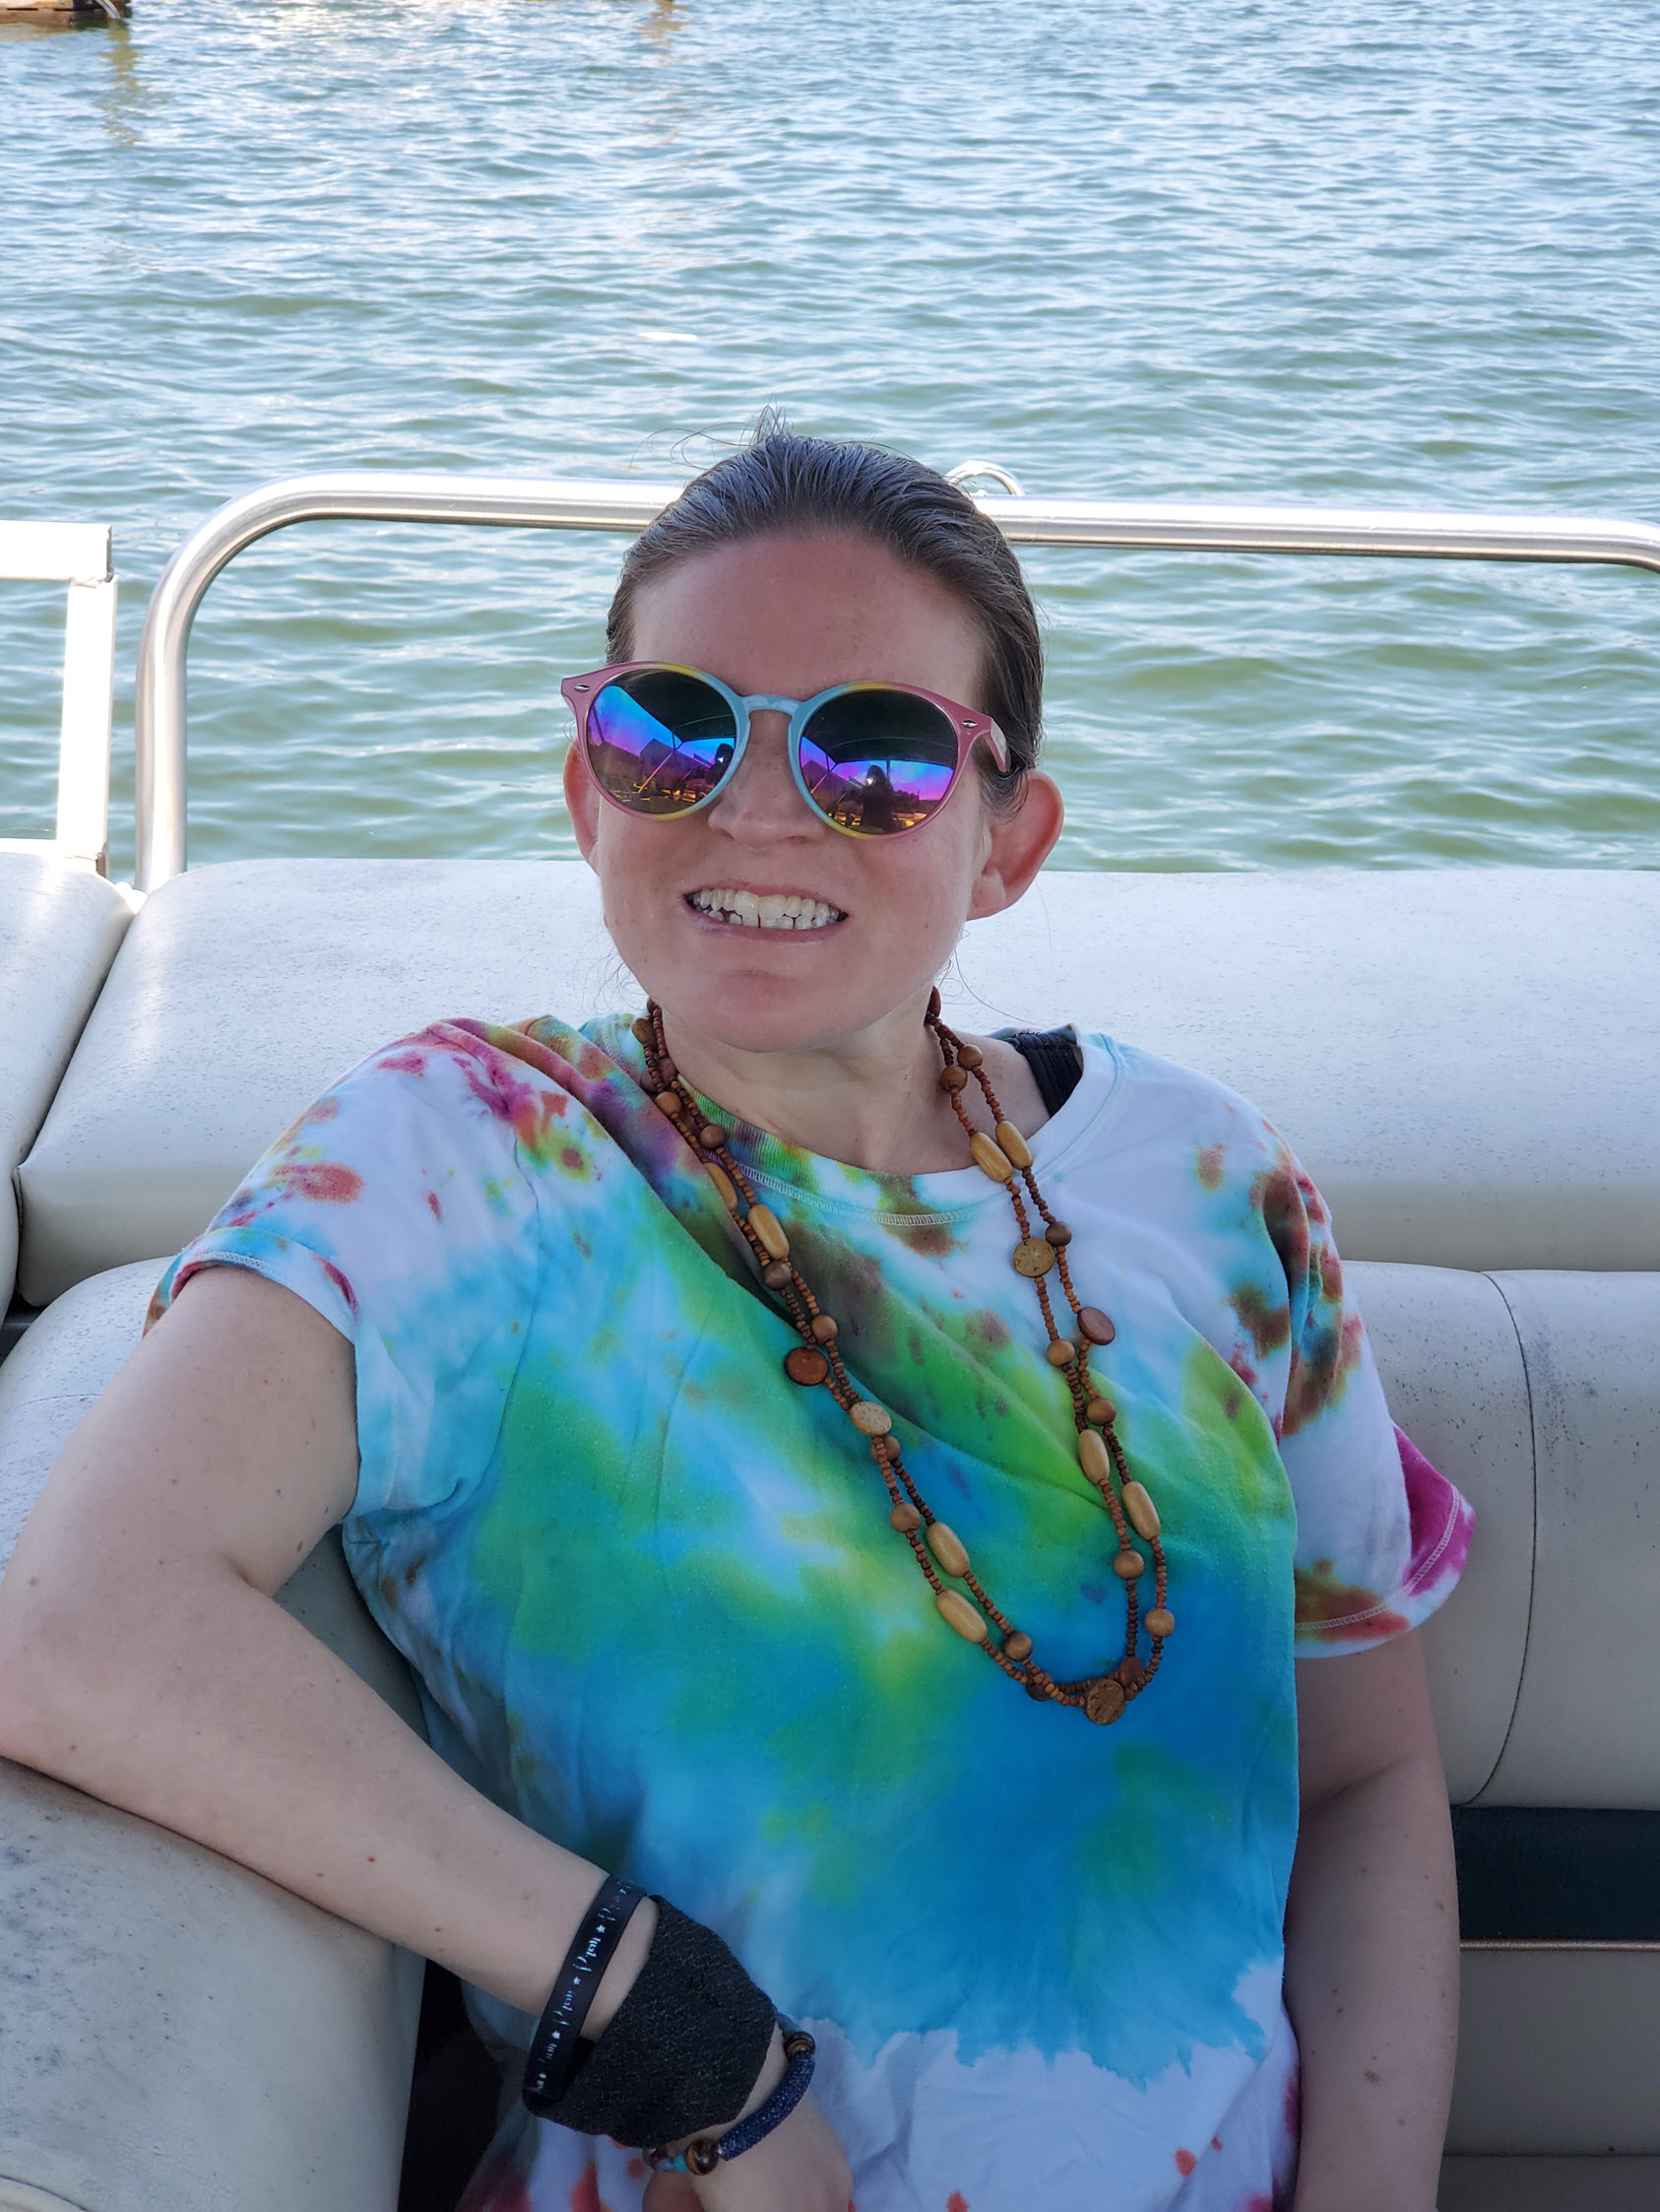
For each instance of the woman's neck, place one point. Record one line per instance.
(873, 1101)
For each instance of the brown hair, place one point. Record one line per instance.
(780, 483)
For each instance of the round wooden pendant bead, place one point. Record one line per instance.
(766, 1225)
(1033, 1257)
(778, 1276)
(1017, 1645)
(1104, 1701)
(711, 1137)
(955, 1607)
(805, 1364)
(886, 1449)
(989, 1157)
(952, 1079)
(1161, 1621)
(1127, 1565)
(948, 1548)
(1095, 1325)
(722, 1183)
(1062, 1352)
(1143, 1512)
(970, 1057)
(905, 1517)
(1093, 1457)
(867, 1416)
(824, 1327)
(645, 1030)
(1101, 1411)
(1014, 1145)
(1131, 1672)
(1059, 1234)
(670, 1102)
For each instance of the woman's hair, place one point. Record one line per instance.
(780, 484)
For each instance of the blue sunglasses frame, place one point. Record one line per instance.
(970, 729)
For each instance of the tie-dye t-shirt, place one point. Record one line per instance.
(657, 1611)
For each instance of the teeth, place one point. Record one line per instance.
(778, 910)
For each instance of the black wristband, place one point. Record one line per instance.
(682, 2053)
(556, 2050)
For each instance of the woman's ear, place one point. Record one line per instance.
(1017, 846)
(583, 800)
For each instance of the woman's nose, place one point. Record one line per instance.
(762, 803)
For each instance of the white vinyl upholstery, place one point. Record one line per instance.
(59, 929)
(1464, 1058)
(1452, 1367)
(177, 2035)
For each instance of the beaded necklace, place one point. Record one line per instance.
(1007, 1158)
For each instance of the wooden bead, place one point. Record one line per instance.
(1059, 1234)
(1093, 1457)
(970, 1057)
(932, 1014)
(670, 1101)
(1101, 1411)
(805, 1364)
(955, 1607)
(1062, 1352)
(766, 1225)
(1161, 1621)
(905, 1517)
(777, 1274)
(824, 1328)
(711, 1137)
(952, 1079)
(948, 1548)
(886, 1448)
(1094, 1325)
(1033, 1257)
(867, 1417)
(1128, 1563)
(1131, 1672)
(645, 1029)
(1104, 1701)
(1036, 1686)
(991, 1158)
(722, 1183)
(1017, 1645)
(1143, 1512)
(1014, 1145)
(666, 1071)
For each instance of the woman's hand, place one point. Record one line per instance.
(800, 2166)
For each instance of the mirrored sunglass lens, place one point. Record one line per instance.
(878, 760)
(660, 740)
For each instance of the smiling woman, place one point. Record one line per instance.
(866, 1484)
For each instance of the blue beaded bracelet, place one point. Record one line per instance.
(706, 2152)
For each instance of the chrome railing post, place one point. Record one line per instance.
(552, 503)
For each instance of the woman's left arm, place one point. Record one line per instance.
(1372, 1935)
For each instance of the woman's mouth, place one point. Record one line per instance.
(765, 910)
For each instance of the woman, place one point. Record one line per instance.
(920, 1625)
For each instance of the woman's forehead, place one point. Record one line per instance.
(824, 608)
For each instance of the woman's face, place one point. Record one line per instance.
(794, 615)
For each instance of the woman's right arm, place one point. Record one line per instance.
(146, 1663)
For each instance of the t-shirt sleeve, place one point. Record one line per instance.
(1381, 1535)
(397, 1208)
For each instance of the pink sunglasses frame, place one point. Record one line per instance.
(971, 727)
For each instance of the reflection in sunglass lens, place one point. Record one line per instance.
(660, 740)
(876, 760)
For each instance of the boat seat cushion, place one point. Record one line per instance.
(1464, 1059)
(60, 926)
(277, 2041)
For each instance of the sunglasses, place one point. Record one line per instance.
(875, 759)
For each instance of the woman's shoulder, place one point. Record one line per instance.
(1157, 1098)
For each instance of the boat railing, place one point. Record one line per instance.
(557, 503)
(76, 554)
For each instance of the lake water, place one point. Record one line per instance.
(1299, 250)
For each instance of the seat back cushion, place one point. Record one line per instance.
(1463, 1057)
(59, 929)
(273, 2042)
